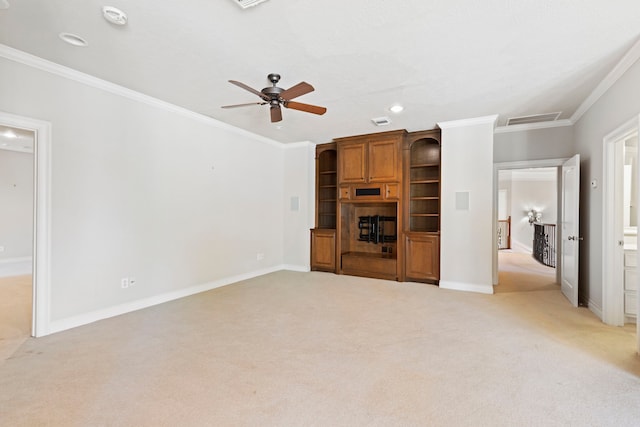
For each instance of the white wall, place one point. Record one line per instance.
(531, 189)
(299, 182)
(533, 144)
(180, 202)
(16, 204)
(619, 104)
(466, 237)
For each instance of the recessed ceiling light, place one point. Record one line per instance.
(4, 4)
(114, 15)
(73, 39)
(396, 108)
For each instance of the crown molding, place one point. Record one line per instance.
(630, 58)
(89, 80)
(468, 122)
(533, 126)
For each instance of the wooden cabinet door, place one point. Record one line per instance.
(383, 161)
(422, 256)
(323, 250)
(352, 163)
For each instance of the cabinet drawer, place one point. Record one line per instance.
(630, 259)
(630, 307)
(630, 280)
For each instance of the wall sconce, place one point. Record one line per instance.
(534, 216)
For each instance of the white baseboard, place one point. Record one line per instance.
(467, 287)
(299, 268)
(595, 309)
(94, 316)
(16, 266)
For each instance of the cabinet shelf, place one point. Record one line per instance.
(425, 181)
(327, 172)
(425, 165)
(425, 198)
(327, 186)
(424, 214)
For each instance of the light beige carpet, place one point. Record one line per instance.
(317, 349)
(15, 313)
(520, 272)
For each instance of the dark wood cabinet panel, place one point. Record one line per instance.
(323, 250)
(352, 162)
(422, 257)
(383, 160)
(378, 206)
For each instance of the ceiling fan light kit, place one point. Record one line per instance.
(276, 96)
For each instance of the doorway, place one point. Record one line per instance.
(620, 225)
(41, 217)
(527, 218)
(16, 237)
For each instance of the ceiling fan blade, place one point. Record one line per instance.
(276, 114)
(308, 108)
(296, 91)
(250, 89)
(243, 105)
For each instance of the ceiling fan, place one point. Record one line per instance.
(276, 96)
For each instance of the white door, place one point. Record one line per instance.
(569, 222)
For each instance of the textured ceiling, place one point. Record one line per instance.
(443, 60)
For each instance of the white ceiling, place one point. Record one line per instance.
(442, 59)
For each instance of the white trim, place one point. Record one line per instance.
(94, 316)
(595, 309)
(468, 122)
(71, 74)
(522, 164)
(630, 58)
(42, 214)
(612, 311)
(15, 260)
(16, 266)
(300, 144)
(467, 287)
(533, 126)
(299, 268)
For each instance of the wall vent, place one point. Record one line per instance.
(248, 3)
(381, 121)
(535, 118)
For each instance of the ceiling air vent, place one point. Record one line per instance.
(536, 118)
(248, 3)
(381, 121)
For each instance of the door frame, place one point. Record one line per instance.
(525, 164)
(612, 289)
(41, 315)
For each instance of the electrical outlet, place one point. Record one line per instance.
(124, 282)
(259, 256)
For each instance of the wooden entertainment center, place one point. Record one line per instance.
(378, 206)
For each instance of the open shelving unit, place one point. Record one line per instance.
(424, 184)
(327, 189)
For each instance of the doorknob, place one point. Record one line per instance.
(575, 238)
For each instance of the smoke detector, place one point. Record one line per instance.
(381, 121)
(248, 3)
(114, 15)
